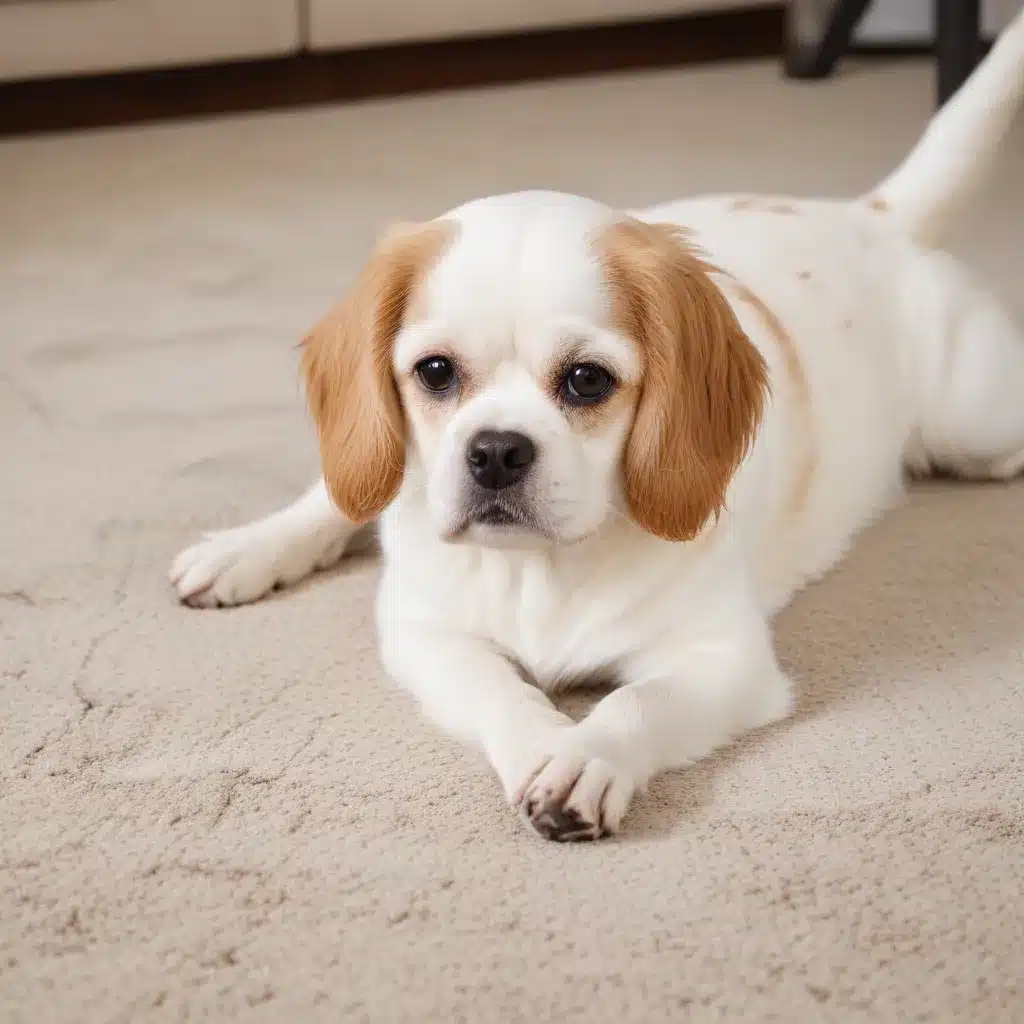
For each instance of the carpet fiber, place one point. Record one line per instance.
(234, 815)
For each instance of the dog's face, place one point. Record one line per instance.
(531, 365)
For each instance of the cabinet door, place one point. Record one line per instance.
(334, 24)
(60, 37)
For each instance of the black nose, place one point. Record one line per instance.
(498, 458)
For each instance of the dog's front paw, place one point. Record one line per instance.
(575, 797)
(242, 565)
(225, 568)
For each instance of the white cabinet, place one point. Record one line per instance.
(63, 37)
(339, 23)
(40, 38)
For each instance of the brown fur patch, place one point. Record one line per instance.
(800, 390)
(704, 384)
(350, 386)
(878, 204)
(764, 204)
(416, 308)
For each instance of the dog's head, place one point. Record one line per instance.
(529, 366)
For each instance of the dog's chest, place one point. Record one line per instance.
(559, 627)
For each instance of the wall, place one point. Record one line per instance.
(910, 21)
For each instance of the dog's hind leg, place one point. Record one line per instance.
(969, 382)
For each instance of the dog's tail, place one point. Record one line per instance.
(928, 189)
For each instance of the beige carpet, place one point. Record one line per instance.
(234, 815)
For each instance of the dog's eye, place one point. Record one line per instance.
(586, 382)
(436, 374)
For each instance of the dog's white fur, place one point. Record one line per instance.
(902, 361)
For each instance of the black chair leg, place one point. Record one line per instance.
(957, 43)
(813, 50)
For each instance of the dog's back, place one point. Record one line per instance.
(885, 353)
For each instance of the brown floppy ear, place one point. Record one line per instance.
(350, 385)
(704, 383)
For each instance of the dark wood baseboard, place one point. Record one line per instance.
(63, 104)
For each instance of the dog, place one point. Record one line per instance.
(608, 443)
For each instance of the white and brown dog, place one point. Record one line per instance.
(615, 444)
